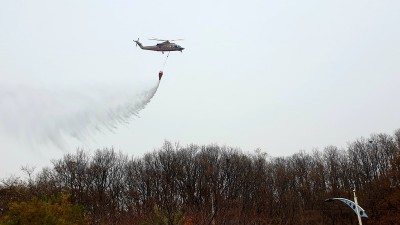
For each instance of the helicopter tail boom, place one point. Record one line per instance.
(138, 43)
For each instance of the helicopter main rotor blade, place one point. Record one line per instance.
(156, 39)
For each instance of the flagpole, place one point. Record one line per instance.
(358, 213)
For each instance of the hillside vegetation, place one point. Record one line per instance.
(212, 184)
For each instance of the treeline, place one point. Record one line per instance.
(222, 185)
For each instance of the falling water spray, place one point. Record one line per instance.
(49, 114)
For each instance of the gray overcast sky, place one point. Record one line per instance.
(282, 76)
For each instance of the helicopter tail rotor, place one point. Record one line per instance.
(138, 43)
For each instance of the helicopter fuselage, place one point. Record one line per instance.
(163, 48)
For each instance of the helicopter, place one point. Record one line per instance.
(164, 46)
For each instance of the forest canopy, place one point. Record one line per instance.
(212, 184)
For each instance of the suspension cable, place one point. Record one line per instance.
(165, 61)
